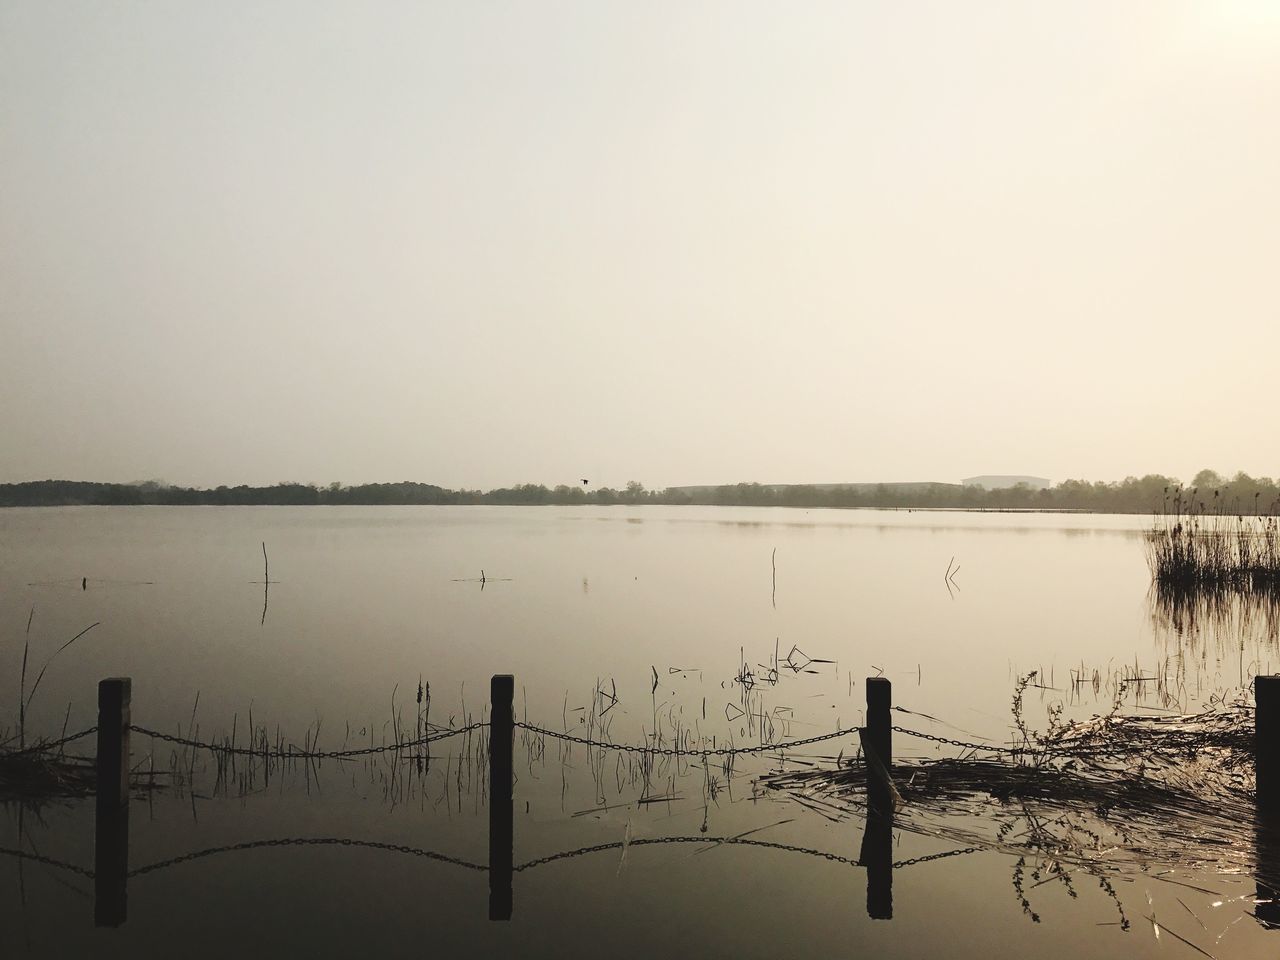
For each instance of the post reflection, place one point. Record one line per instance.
(1267, 871)
(877, 857)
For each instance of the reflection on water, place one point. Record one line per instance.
(975, 522)
(1049, 825)
(679, 627)
(1216, 619)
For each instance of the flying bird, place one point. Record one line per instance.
(585, 481)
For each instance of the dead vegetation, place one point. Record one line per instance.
(1113, 794)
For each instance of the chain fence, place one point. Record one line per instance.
(991, 747)
(309, 842)
(929, 858)
(294, 753)
(407, 850)
(733, 841)
(47, 861)
(685, 752)
(52, 745)
(762, 748)
(652, 841)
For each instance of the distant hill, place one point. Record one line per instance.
(997, 481)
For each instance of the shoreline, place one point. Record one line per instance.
(499, 503)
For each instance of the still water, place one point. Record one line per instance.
(641, 618)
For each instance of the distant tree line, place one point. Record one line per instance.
(1240, 493)
(53, 493)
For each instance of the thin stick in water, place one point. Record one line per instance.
(774, 560)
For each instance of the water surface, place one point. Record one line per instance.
(653, 615)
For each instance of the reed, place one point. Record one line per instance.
(45, 772)
(1202, 543)
(34, 773)
(1108, 796)
(33, 778)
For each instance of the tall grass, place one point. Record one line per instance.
(1203, 543)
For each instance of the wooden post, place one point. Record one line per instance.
(1266, 854)
(502, 690)
(877, 840)
(1266, 742)
(111, 838)
(877, 858)
(1266, 751)
(879, 721)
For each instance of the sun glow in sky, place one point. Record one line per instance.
(478, 244)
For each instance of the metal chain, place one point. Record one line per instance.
(961, 743)
(467, 864)
(308, 841)
(763, 748)
(48, 861)
(54, 744)
(739, 841)
(648, 841)
(1080, 747)
(678, 752)
(898, 864)
(294, 754)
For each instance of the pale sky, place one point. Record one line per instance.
(481, 243)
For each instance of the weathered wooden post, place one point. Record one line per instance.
(877, 840)
(1266, 751)
(879, 720)
(502, 690)
(111, 839)
(1266, 742)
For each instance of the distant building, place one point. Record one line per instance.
(1003, 482)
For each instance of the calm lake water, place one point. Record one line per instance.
(651, 616)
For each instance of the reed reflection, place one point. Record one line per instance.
(1215, 619)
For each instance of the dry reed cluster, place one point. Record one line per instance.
(1207, 544)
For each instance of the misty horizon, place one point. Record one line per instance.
(1205, 477)
(1150, 494)
(693, 243)
(700, 478)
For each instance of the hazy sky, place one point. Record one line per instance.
(480, 243)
